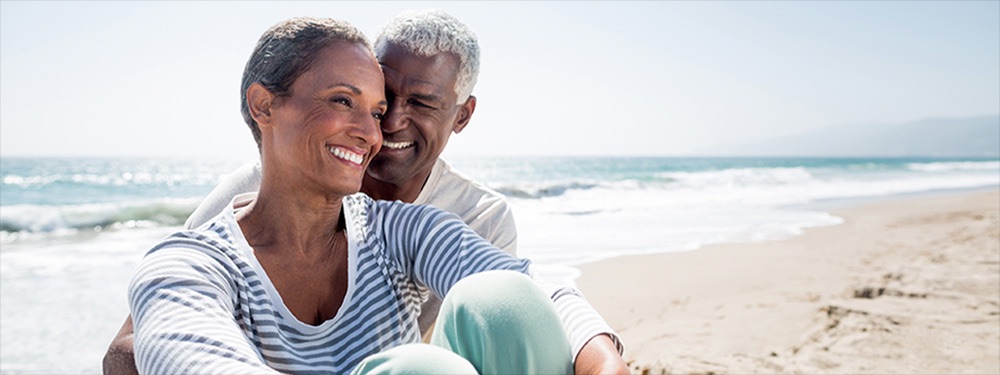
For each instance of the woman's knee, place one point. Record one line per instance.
(497, 289)
(503, 323)
(414, 359)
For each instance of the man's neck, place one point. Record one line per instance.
(406, 192)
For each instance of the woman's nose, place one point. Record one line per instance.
(366, 127)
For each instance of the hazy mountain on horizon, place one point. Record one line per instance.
(936, 137)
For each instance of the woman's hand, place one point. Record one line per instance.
(600, 356)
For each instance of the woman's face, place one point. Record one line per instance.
(327, 129)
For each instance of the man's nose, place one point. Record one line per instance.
(394, 119)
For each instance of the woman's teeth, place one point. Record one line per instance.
(347, 155)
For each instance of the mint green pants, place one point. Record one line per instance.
(495, 322)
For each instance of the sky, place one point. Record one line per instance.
(649, 78)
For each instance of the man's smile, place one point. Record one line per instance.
(396, 145)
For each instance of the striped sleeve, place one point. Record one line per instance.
(581, 320)
(181, 299)
(444, 250)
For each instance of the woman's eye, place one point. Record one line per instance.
(341, 100)
(378, 115)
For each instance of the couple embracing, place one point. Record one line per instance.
(351, 247)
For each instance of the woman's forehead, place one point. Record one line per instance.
(344, 61)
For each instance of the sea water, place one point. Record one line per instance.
(72, 230)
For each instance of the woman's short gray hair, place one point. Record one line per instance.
(287, 50)
(429, 32)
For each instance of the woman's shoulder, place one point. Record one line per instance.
(214, 240)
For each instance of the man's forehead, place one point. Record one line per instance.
(406, 76)
(414, 80)
(393, 50)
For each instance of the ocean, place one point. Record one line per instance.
(72, 230)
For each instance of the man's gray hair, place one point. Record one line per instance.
(429, 32)
(287, 50)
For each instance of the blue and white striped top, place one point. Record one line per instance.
(201, 301)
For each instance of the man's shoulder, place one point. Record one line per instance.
(452, 188)
(485, 210)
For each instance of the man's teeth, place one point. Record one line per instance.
(396, 145)
(347, 155)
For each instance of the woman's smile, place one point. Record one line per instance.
(346, 155)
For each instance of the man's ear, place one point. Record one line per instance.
(260, 100)
(465, 114)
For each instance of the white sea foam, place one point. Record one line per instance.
(28, 221)
(82, 281)
(687, 210)
(956, 166)
(740, 177)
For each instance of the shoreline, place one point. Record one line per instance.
(837, 204)
(908, 284)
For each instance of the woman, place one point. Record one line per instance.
(306, 275)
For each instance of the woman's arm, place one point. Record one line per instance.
(181, 302)
(120, 359)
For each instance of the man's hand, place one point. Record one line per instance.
(120, 360)
(600, 356)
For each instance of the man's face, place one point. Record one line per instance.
(421, 116)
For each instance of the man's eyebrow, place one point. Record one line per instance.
(426, 97)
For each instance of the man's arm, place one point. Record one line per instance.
(120, 359)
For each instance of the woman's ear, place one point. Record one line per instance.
(260, 100)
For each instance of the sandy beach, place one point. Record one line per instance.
(907, 285)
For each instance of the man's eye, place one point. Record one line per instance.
(419, 104)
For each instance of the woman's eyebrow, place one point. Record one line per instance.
(349, 86)
(356, 91)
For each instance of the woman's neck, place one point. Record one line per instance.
(288, 221)
(302, 246)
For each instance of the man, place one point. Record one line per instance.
(430, 61)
